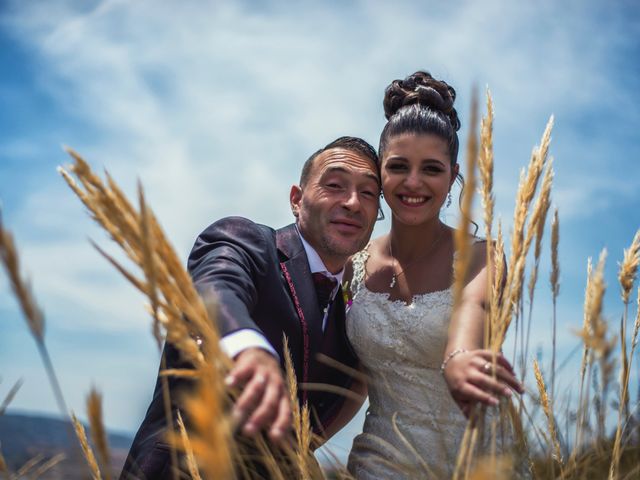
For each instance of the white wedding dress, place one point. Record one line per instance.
(412, 421)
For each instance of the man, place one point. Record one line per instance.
(270, 282)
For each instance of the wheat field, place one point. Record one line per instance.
(541, 448)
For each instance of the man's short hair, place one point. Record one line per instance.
(353, 144)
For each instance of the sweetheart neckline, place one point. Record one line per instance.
(419, 296)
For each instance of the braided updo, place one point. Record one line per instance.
(420, 104)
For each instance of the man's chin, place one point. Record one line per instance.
(345, 248)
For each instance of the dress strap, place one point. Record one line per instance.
(359, 261)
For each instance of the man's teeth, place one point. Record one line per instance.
(413, 199)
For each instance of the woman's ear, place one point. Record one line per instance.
(454, 174)
(295, 197)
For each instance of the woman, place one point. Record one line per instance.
(400, 323)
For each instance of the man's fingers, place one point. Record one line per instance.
(239, 374)
(267, 408)
(249, 398)
(282, 422)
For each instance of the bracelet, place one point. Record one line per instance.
(449, 357)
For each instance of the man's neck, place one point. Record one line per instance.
(316, 262)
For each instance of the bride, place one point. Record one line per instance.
(425, 364)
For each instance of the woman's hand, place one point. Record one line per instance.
(474, 376)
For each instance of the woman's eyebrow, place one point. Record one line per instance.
(433, 160)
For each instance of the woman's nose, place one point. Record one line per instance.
(412, 179)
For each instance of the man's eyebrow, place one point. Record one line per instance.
(337, 169)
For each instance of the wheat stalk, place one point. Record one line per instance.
(485, 168)
(521, 239)
(301, 419)
(86, 449)
(554, 279)
(626, 277)
(629, 267)
(10, 396)
(210, 435)
(3, 466)
(546, 407)
(20, 286)
(48, 465)
(98, 432)
(462, 260)
(192, 465)
(32, 313)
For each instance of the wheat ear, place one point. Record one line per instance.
(86, 449)
(98, 432)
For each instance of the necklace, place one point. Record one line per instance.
(394, 275)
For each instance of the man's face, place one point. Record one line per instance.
(337, 207)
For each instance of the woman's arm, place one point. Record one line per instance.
(468, 368)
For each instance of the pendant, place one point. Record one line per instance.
(393, 281)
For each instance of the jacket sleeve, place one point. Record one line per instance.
(229, 260)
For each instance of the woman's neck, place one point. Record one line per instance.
(409, 241)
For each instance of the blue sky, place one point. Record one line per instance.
(215, 105)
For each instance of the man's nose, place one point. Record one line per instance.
(352, 200)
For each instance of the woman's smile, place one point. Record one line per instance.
(413, 200)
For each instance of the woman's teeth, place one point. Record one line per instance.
(413, 200)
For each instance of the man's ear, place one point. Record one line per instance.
(295, 198)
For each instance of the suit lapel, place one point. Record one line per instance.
(295, 267)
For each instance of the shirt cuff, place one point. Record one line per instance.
(238, 341)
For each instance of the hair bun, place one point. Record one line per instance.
(421, 89)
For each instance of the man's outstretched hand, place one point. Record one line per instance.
(264, 401)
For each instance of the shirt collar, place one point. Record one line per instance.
(315, 262)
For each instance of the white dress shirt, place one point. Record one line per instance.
(240, 340)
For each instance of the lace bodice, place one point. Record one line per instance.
(401, 348)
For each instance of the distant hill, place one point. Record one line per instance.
(24, 436)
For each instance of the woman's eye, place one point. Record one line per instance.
(396, 167)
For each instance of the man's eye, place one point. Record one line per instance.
(333, 185)
(369, 193)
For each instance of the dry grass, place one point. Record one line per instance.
(548, 413)
(98, 432)
(462, 240)
(192, 465)
(208, 441)
(12, 393)
(86, 449)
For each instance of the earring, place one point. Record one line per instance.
(448, 200)
(380, 214)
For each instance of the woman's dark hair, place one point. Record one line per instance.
(420, 104)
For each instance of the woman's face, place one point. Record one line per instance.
(416, 176)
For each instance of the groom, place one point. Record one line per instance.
(269, 282)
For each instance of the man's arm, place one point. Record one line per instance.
(229, 259)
